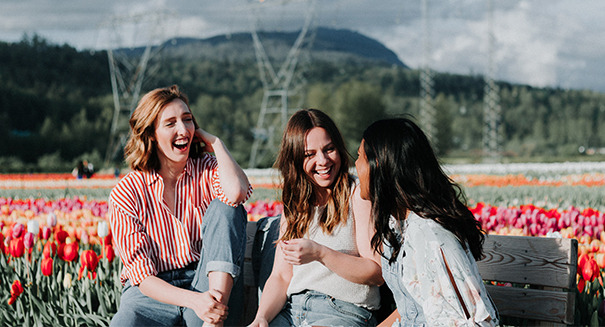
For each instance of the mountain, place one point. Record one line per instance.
(332, 45)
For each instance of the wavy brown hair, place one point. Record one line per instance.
(140, 151)
(298, 195)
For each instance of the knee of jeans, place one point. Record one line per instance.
(218, 211)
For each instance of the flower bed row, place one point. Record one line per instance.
(57, 264)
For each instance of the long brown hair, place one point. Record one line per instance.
(405, 175)
(298, 196)
(140, 151)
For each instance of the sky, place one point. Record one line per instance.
(542, 43)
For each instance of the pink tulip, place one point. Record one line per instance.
(46, 232)
(84, 237)
(28, 240)
(18, 230)
(51, 220)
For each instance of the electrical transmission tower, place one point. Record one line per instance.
(279, 87)
(129, 68)
(427, 108)
(491, 99)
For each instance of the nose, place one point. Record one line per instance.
(181, 127)
(322, 158)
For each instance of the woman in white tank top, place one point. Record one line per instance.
(325, 271)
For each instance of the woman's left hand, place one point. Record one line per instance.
(205, 137)
(300, 251)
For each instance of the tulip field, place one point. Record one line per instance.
(58, 266)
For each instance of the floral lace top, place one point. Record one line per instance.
(420, 282)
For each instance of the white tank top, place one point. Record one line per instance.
(315, 276)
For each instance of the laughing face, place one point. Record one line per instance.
(174, 131)
(322, 160)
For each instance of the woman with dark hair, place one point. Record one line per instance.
(325, 272)
(427, 236)
(177, 220)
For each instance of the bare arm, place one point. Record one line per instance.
(233, 179)
(364, 269)
(274, 294)
(206, 305)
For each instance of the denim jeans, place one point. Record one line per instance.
(318, 309)
(224, 243)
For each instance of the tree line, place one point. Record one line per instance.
(56, 106)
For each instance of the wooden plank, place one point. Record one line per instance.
(540, 261)
(551, 306)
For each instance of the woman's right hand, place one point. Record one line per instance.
(259, 322)
(209, 307)
(300, 251)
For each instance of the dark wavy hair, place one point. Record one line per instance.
(298, 195)
(405, 175)
(140, 151)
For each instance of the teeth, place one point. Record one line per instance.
(184, 142)
(325, 171)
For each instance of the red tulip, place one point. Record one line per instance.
(590, 270)
(581, 285)
(16, 290)
(47, 266)
(109, 253)
(582, 261)
(16, 248)
(60, 236)
(50, 250)
(68, 252)
(89, 260)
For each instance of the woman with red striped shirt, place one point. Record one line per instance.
(177, 220)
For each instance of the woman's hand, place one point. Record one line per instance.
(209, 308)
(301, 250)
(205, 137)
(259, 322)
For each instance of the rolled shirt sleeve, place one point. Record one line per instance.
(131, 241)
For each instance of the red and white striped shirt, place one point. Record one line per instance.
(148, 236)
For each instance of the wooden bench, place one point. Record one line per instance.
(543, 274)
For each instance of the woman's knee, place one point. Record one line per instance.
(221, 215)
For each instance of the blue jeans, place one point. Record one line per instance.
(224, 243)
(318, 309)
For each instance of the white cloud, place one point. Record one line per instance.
(539, 42)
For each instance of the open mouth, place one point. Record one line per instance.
(324, 172)
(181, 144)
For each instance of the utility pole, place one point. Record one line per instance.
(278, 87)
(427, 108)
(491, 98)
(129, 67)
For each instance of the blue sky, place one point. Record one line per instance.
(543, 43)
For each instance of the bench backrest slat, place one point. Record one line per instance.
(547, 265)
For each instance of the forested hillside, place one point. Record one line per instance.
(56, 104)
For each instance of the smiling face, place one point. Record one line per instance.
(363, 172)
(174, 131)
(322, 160)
